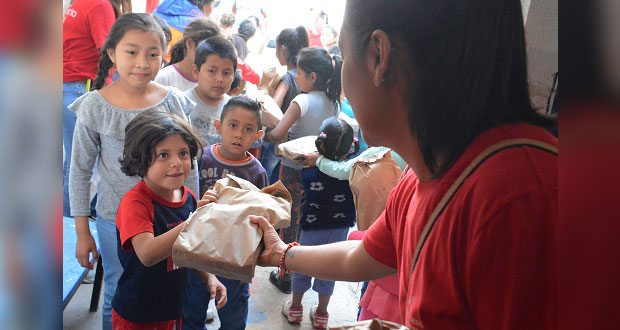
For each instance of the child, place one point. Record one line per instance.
(288, 44)
(239, 126)
(159, 148)
(134, 46)
(326, 216)
(214, 67)
(320, 79)
(178, 73)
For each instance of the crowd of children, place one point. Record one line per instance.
(163, 131)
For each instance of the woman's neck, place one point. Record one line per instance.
(185, 67)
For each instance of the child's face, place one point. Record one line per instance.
(281, 54)
(137, 57)
(170, 167)
(215, 76)
(239, 130)
(305, 80)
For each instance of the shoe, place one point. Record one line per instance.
(319, 321)
(293, 315)
(210, 315)
(284, 283)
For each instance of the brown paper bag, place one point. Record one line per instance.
(219, 238)
(371, 181)
(374, 324)
(294, 149)
(270, 80)
(271, 114)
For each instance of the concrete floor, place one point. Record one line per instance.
(264, 310)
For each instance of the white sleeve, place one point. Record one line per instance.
(302, 101)
(163, 77)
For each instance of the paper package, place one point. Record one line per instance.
(218, 237)
(294, 149)
(271, 114)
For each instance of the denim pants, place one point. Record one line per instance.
(269, 161)
(233, 316)
(112, 268)
(70, 92)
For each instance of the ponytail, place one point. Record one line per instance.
(197, 30)
(293, 41)
(105, 64)
(336, 139)
(334, 85)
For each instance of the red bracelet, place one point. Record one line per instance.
(281, 268)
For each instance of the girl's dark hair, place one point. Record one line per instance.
(243, 102)
(132, 21)
(335, 140)
(464, 64)
(318, 60)
(228, 19)
(200, 3)
(121, 7)
(197, 30)
(164, 27)
(145, 131)
(218, 46)
(247, 28)
(293, 41)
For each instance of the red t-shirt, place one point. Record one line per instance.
(488, 263)
(86, 25)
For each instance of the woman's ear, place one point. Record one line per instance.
(111, 55)
(379, 52)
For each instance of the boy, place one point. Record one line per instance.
(214, 68)
(239, 126)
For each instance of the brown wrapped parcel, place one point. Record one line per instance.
(270, 112)
(371, 181)
(294, 149)
(218, 237)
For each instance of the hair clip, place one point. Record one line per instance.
(355, 140)
(323, 135)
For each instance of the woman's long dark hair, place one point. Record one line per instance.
(132, 21)
(464, 63)
(327, 68)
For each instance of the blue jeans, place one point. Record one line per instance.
(112, 268)
(269, 161)
(70, 92)
(233, 315)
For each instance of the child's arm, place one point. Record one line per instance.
(280, 93)
(151, 250)
(290, 117)
(216, 288)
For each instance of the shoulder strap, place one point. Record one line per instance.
(484, 155)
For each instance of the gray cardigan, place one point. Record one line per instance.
(100, 136)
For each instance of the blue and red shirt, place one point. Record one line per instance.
(149, 294)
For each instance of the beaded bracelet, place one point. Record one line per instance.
(281, 268)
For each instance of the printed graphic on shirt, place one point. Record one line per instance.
(211, 174)
(316, 186)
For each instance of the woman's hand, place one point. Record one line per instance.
(86, 245)
(274, 247)
(310, 159)
(218, 291)
(210, 196)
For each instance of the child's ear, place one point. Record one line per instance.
(312, 77)
(195, 71)
(218, 126)
(235, 91)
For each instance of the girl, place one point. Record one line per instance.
(288, 44)
(319, 76)
(160, 148)
(327, 214)
(134, 47)
(178, 72)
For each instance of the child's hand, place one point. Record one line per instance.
(217, 291)
(210, 196)
(310, 159)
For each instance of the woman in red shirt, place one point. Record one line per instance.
(440, 82)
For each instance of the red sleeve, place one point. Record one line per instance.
(247, 73)
(379, 242)
(100, 20)
(509, 270)
(135, 216)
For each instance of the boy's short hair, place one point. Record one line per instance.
(237, 81)
(145, 131)
(246, 103)
(218, 46)
(227, 20)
